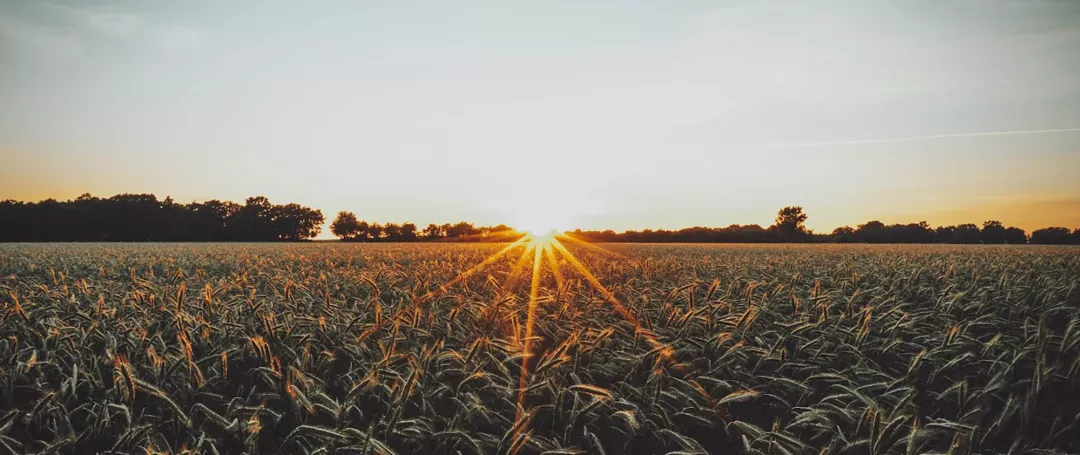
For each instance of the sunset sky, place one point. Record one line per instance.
(620, 114)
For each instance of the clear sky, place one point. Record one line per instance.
(597, 115)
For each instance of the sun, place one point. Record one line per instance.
(540, 222)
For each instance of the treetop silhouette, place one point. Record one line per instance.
(145, 218)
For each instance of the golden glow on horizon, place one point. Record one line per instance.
(540, 221)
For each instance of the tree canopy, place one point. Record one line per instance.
(144, 218)
(348, 228)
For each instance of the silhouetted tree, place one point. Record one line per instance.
(789, 224)
(432, 232)
(944, 234)
(210, 220)
(391, 232)
(363, 231)
(372, 231)
(872, 232)
(1051, 236)
(408, 232)
(292, 222)
(461, 229)
(142, 217)
(844, 234)
(1015, 236)
(966, 233)
(346, 226)
(993, 232)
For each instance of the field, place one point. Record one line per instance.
(394, 348)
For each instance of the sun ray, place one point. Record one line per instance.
(463, 275)
(513, 276)
(596, 284)
(530, 319)
(554, 266)
(665, 351)
(444, 288)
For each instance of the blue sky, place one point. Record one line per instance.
(590, 114)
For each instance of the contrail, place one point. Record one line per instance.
(913, 138)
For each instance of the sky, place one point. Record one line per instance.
(620, 114)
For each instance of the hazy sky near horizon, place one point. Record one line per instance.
(593, 114)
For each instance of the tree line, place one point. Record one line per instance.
(789, 228)
(349, 228)
(144, 218)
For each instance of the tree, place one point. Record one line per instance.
(1015, 236)
(253, 221)
(142, 217)
(461, 229)
(210, 220)
(294, 222)
(966, 233)
(993, 232)
(363, 231)
(346, 226)
(871, 232)
(392, 232)
(408, 232)
(372, 231)
(843, 234)
(1051, 236)
(944, 234)
(432, 231)
(789, 224)
(791, 217)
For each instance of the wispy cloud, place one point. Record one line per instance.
(797, 145)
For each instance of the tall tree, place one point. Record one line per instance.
(345, 226)
(789, 224)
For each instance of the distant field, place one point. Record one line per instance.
(383, 348)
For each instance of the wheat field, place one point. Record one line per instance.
(607, 348)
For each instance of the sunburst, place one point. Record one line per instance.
(542, 246)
